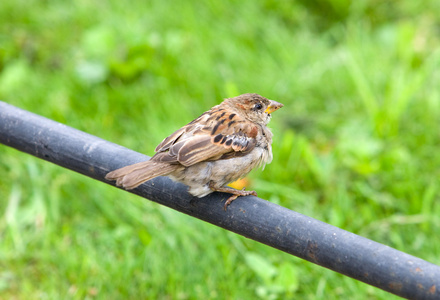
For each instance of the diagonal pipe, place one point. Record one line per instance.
(320, 243)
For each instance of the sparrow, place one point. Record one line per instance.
(221, 146)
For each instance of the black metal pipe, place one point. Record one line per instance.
(344, 252)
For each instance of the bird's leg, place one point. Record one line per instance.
(235, 193)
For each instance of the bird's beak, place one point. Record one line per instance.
(273, 106)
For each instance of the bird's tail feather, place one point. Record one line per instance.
(132, 176)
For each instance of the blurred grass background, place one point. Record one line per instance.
(356, 145)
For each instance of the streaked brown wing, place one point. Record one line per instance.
(209, 137)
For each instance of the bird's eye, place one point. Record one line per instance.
(258, 106)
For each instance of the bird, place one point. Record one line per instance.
(219, 147)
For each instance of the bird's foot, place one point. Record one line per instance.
(235, 193)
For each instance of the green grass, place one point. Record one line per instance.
(356, 144)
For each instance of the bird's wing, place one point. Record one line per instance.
(216, 134)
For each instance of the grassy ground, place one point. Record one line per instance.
(356, 144)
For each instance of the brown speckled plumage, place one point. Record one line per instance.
(222, 145)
